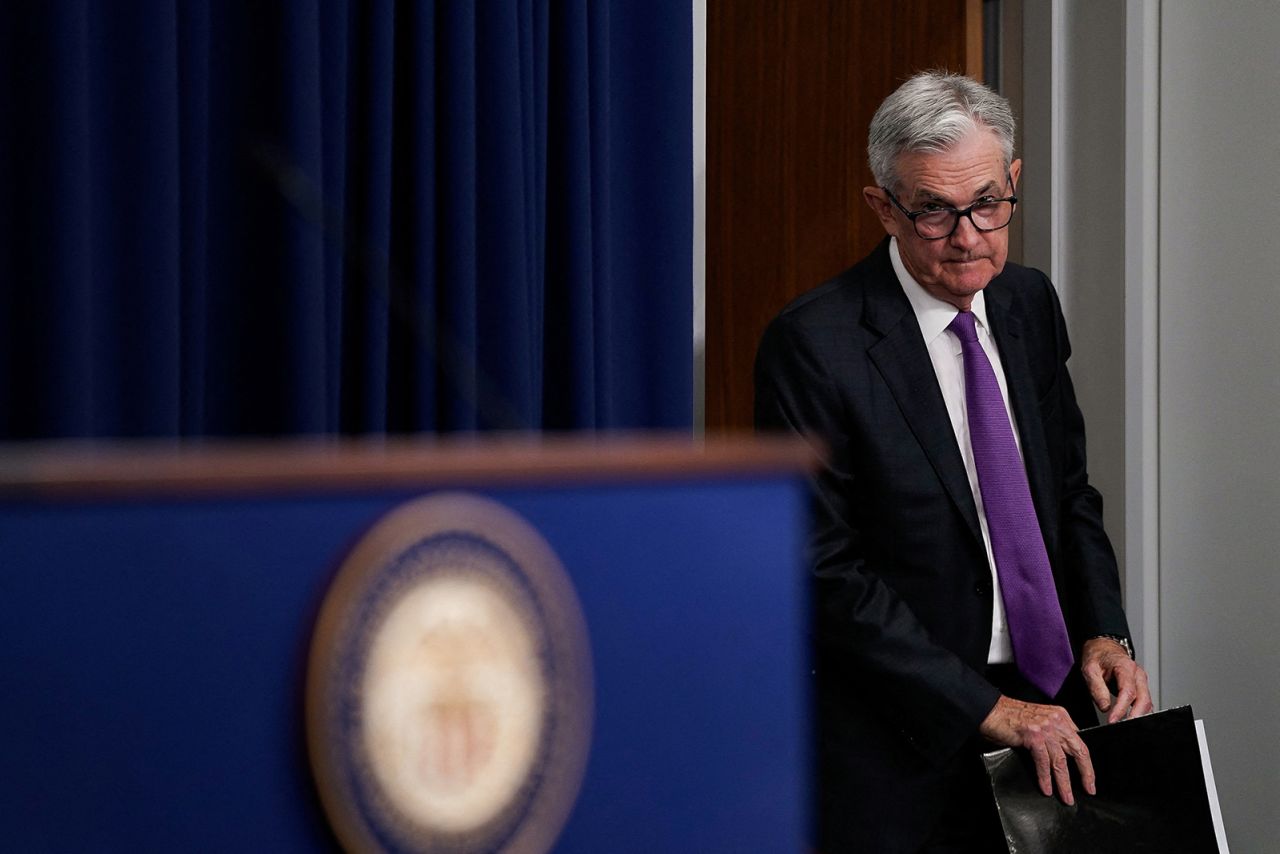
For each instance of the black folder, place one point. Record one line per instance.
(1151, 793)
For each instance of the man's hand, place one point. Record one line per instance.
(1103, 663)
(1050, 735)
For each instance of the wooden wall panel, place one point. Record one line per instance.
(791, 86)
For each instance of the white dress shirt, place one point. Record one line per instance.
(934, 316)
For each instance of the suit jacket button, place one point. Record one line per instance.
(979, 589)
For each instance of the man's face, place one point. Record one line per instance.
(957, 267)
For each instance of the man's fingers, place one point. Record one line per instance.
(1052, 739)
(1084, 763)
(1062, 776)
(1142, 694)
(1123, 703)
(1040, 754)
(1143, 705)
(1134, 696)
(1097, 687)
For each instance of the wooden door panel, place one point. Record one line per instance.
(791, 86)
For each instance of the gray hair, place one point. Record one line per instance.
(929, 113)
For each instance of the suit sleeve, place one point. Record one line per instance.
(868, 640)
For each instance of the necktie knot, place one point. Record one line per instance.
(964, 327)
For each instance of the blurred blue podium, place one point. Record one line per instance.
(159, 606)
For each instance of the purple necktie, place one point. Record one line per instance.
(1040, 645)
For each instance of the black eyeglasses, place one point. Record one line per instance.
(986, 214)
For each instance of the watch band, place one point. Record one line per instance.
(1123, 641)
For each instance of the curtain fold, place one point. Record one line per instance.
(191, 88)
(272, 219)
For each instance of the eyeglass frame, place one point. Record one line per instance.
(958, 212)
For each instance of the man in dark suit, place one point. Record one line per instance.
(962, 602)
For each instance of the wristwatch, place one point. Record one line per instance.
(1123, 641)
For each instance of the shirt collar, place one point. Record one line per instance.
(933, 315)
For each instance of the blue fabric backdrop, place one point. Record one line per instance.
(321, 217)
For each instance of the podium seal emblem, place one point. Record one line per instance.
(449, 695)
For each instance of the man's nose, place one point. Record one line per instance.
(966, 234)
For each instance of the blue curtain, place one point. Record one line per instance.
(326, 217)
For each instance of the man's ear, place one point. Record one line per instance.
(1015, 170)
(883, 208)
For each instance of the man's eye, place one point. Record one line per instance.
(985, 200)
(934, 208)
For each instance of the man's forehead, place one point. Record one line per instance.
(973, 166)
(944, 183)
(925, 188)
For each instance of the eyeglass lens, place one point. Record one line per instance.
(988, 217)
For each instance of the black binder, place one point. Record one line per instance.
(1151, 793)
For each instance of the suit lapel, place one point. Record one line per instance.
(1009, 332)
(903, 361)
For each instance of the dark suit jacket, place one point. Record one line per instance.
(902, 590)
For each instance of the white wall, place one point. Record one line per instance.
(1219, 356)
(1073, 209)
(1160, 123)
(1091, 265)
